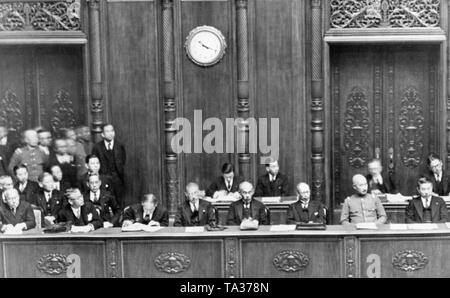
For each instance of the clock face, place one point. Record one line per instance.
(205, 45)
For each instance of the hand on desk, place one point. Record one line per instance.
(153, 223)
(126, 223)
(107, 225)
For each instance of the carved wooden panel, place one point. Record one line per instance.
(62, 112)
(40, 16)
(290, 261)
(384, 13)
(409, 260)
(412, 124)
(11, 113)
(356, 128)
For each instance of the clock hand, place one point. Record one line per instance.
(203, 45)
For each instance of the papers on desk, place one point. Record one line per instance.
(422, 226)
(195, 229)
(80, 229)
(13, 231)
(398, 227)
(282, 228)
(398, 198)
(366, 226)
(136, 227)
(447, 224)
(446, 198)
(271, 199)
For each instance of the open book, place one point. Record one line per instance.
(136, 227)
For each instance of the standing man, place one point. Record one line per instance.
(437, 176)
(195, 211)
(305, 210)
(112, 158)
(84, 137)
(362, 206)
(247, 207)
(426, 208)
(273, 183)
(45, 141)
(30, 155)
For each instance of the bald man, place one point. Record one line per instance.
(362, 206)
(16, 213)
(30, 155)
(195, 211)
(247, 207)
(305, 210)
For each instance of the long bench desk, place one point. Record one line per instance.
(171, 252)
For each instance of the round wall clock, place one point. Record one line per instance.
(205, 45)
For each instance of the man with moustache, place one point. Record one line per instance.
(305, 210)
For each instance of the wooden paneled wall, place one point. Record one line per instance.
(133, 72)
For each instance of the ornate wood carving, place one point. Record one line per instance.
(290, 261)
(113, 258)
(317, 105)
(243, 105)
(40, 16)
(53, 264)
(391, 112)
(96, 74)
(409, 260)
(337, 167)
(384, 13)
(411, 123)
(356, 128)
(11, 111)
(170, 106)
(231, 258)
(172, 262)
(350, 257)
(62, 113)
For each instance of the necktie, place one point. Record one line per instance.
(21, 187)
(48, 196)
(95, 197)
(14, 211)
(57, 186)
(78, 213)
(109, 146)
(147, 217)
(228, 185)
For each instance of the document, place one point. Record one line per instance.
(80, 229)
(282, 228)
(366, 226)
(137, 227)
(398, 226)
(447, 224)
(13, 231)
(398, 198)
(422, 226)
(195, 229)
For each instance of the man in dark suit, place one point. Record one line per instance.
(103, 201)
(305, 210)
(437, 176)
(60, 184)
(16, 213)
(379, 183)
(3, 162)
(426, 208)
(149, 211)
(112, 160)
(227, 183)
(67, 162)
(27, 189)
(272, 184)
(195, 211)
(78, 212)
(49, 200)
(93, 167)
(247, 207)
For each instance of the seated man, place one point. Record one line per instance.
(305, 210)
(247, 207)
(426, 208)
(227, 183)
(362, 207)
(60, 184)
(27, 189)
(103, 201)
(148, 212)
(272, 184)
(16, 213)
(437, 176)
(93, 167)
(48, 200)
(195, 211)
(78, 212)
(379, 183)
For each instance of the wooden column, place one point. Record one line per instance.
(317, 112)
(96, 74)
(243, 107)
(171, 158)
(448, 94)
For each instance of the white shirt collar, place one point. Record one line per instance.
(4, 141)
(425, 202)
(272, 177)
(194, 206)
(106, 144)
(92, 195)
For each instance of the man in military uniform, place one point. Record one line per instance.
(30, 156)
(362, 206)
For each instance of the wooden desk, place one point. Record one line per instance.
(337, 252)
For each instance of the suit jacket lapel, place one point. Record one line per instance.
(240, 210)
(434, 207)
(187, 212)
(201, 211)
(419, 207)
(311, 209)
(255, 210)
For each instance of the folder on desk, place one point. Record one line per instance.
(422, 226)
(366, 226)
(282, 228)
(310, 226)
